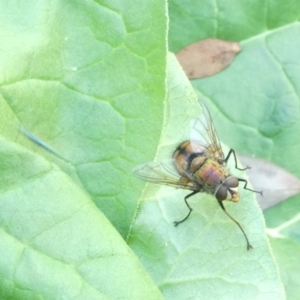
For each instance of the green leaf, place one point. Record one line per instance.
(255, 101)
(87, 79)
(267, 89)
(230, 20)
(54, 240)
(283, 224)
(206, 256)
(84, 98)
(76, 75)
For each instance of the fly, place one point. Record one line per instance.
(199, 165)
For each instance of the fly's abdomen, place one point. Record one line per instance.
(189, 157)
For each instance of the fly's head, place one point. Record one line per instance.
(228, 190)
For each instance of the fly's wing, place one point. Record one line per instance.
(203, 132)
(163, 172)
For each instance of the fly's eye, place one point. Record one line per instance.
(232, 182)
(221, 193)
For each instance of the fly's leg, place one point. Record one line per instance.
(237, 223)
(233, 152)
(245, 186)
(185, 200)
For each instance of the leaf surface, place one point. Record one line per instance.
(255, 102)
(75, 75)
(205, 256)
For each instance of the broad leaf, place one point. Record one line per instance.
(76, 75)
(255, 101)
(88, 80)
(206, 256)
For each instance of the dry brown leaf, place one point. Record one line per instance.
(207, 57)
(276, 183)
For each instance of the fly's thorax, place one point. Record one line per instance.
(228, 190)
(189, 157)
(210, 175)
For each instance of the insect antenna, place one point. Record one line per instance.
(237, 223)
